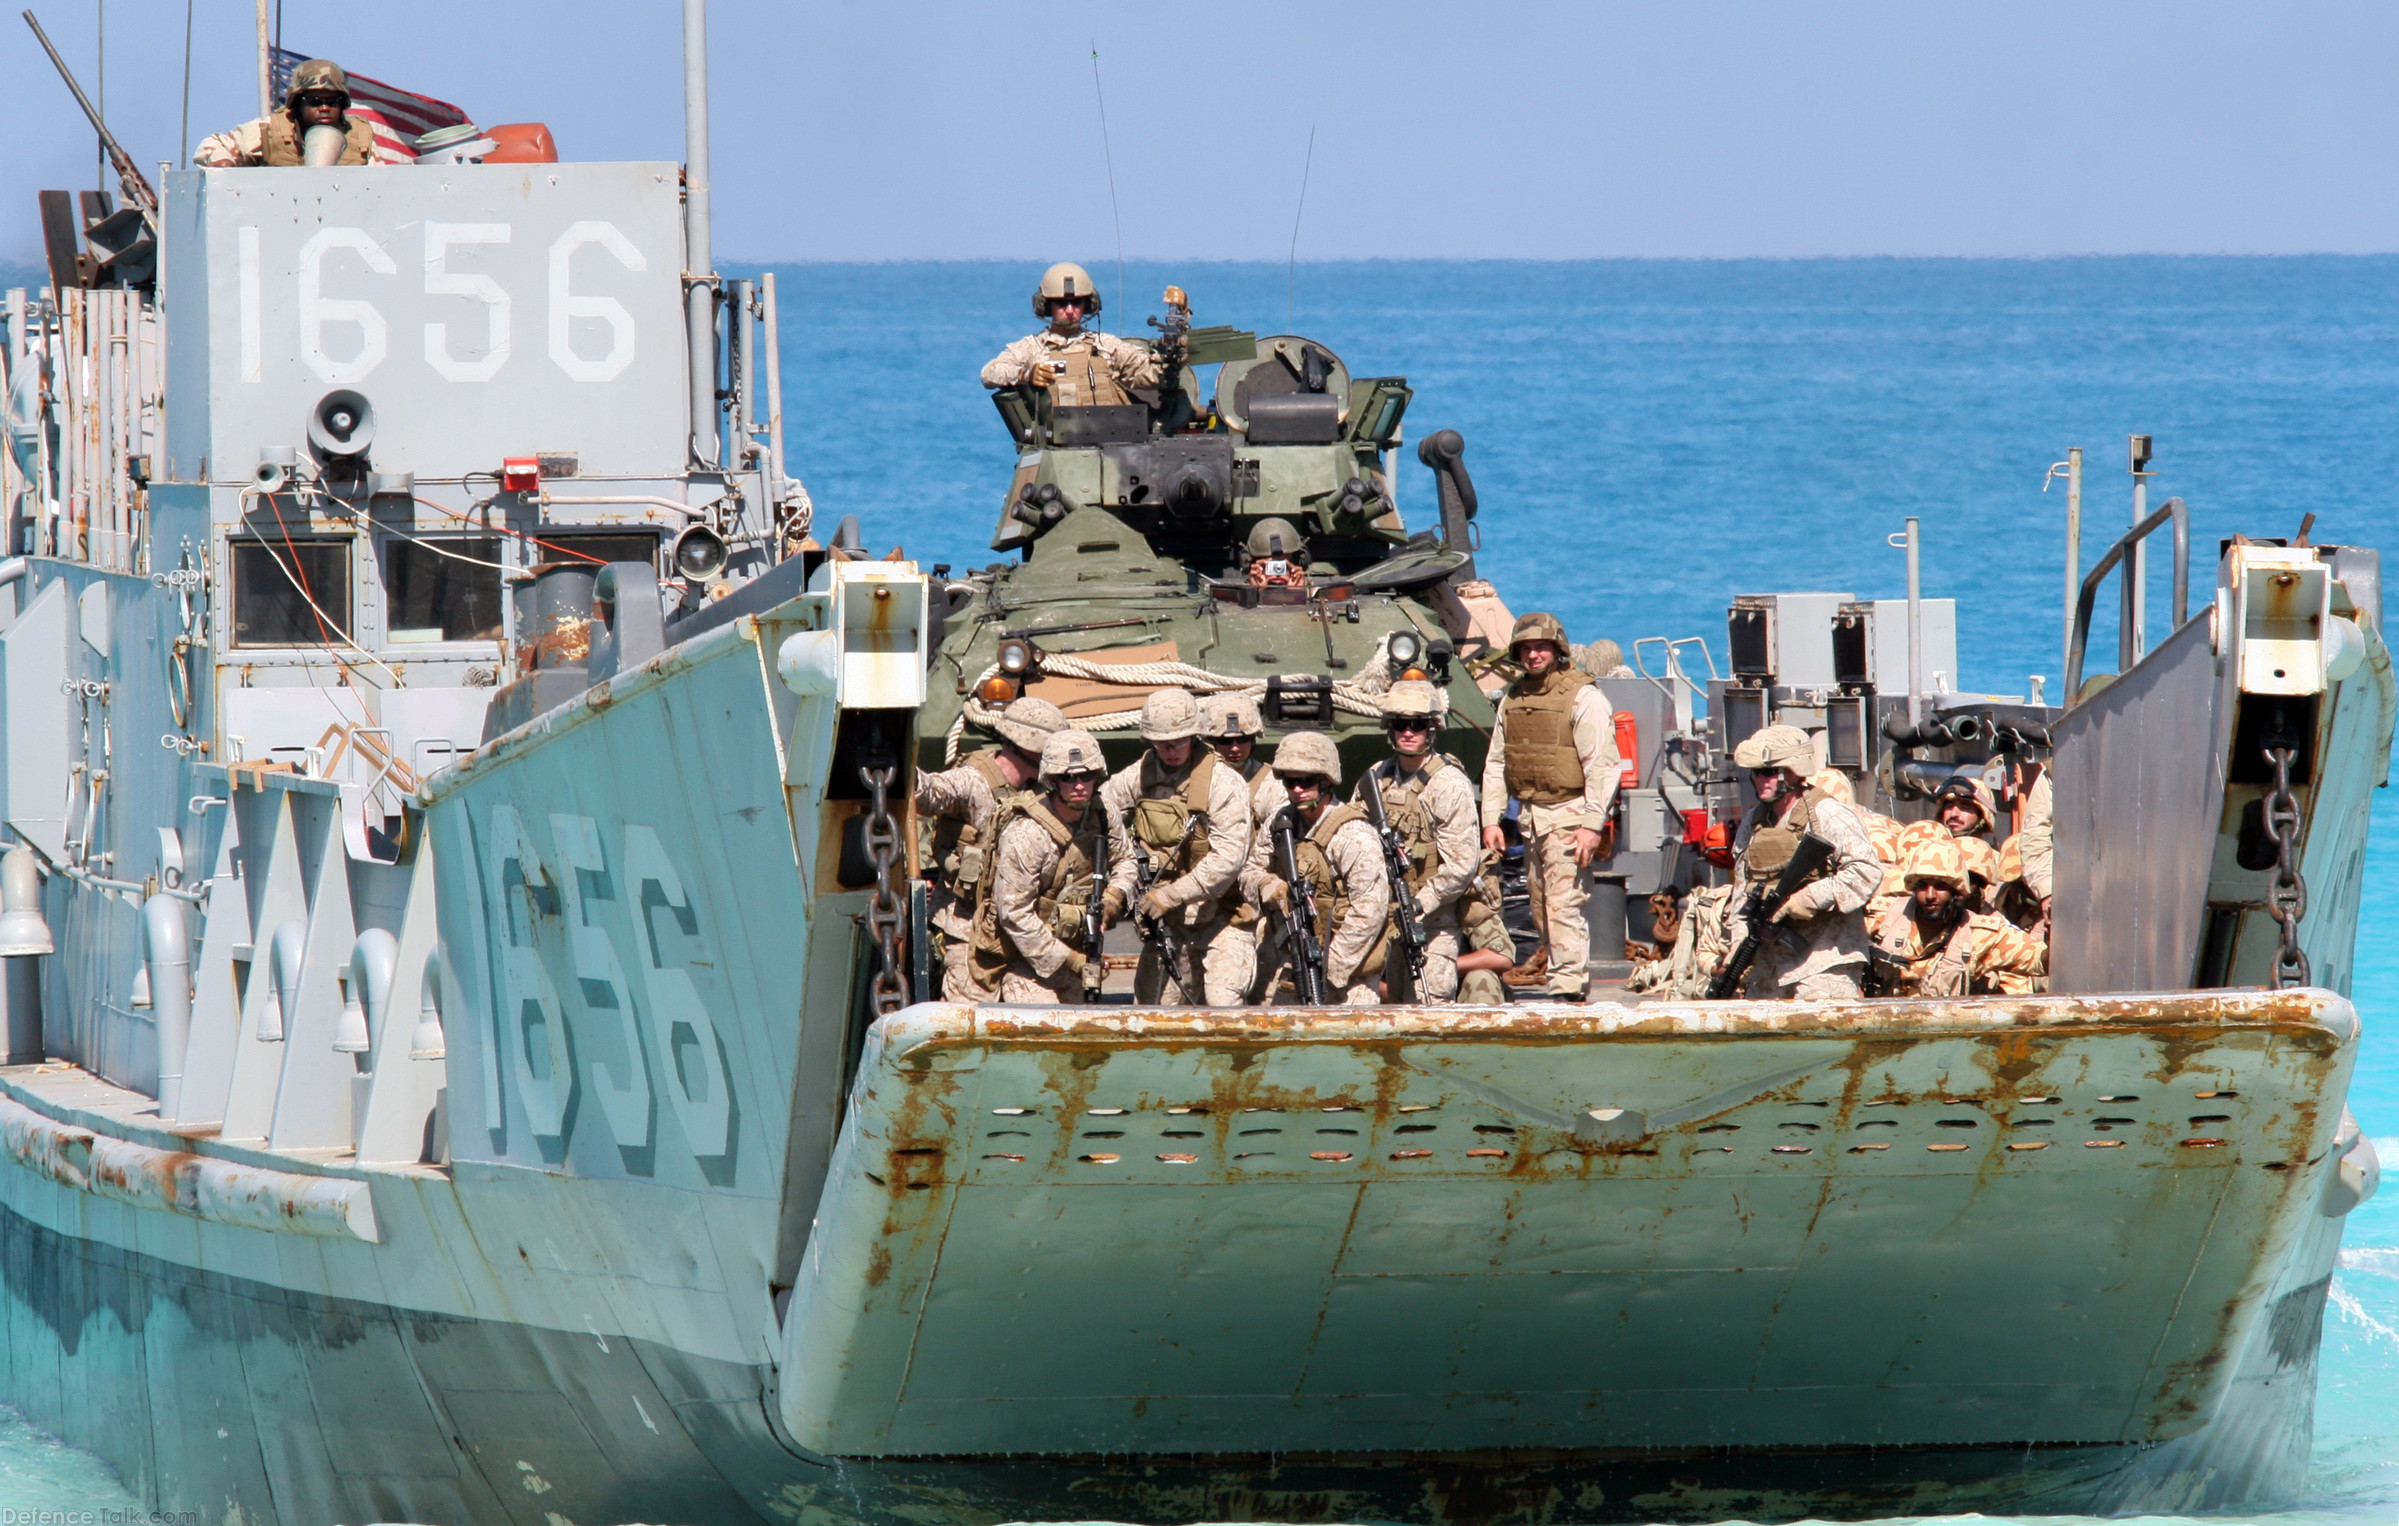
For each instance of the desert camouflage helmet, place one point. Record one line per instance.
(1600, 659)
(1981, 859)
(1069, 752)
(1169, 715)
(1275, 537)
(1971, 789)
(1412, 696)
(1936, 859)
(1775, 747)
(1030, 722)
(1229, 716)
(2011, 859)
(1538, 626)
(1833, 782)
(1064, 280)
(317, 74)
(1308, 754)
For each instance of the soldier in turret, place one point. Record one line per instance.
(1936, 944)
(319, 96)
(1554, 749)
(1077, 367)
(961, 804)
(1190, 814)
(1276, 555)
(1341, 859)
(1037, 883)
(1431, 805)
(1818, 951)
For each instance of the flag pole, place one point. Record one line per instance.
(266, 65)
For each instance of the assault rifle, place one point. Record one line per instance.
(1095, 913)
(1155, 930)
(1812, 854)
(1408, 926)
(1307, 954)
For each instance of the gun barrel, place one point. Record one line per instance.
(136, 186)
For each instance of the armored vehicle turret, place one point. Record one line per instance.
(1240, 538)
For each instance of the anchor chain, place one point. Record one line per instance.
(2286, 898)
(887, 912)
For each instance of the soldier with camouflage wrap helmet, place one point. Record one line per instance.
(1554, 749)
(1189, 813)
(1431, 804)
(319, 96)
(1936, 944)
(960, 805)
(1818, 948)
(1078, 368)
(1342, 860)
(1029, 929)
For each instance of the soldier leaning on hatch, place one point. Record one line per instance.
(1431, 805)
(1037, 882)
(1554, 749)
(1818, 949)
(1078, 368)
(1935, 944)
(961, 803)
(1192, 813)
(1342, 860)
(319, 96)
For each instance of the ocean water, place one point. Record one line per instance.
(1650, 438)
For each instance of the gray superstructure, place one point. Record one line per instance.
(482, 1075)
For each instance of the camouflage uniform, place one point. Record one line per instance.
(1816, 950)
(1564, 770)
(2039, 838)
(1092, 369)
(1194, 822)
(1434, 811)
(1355, 899)
(1913, 836)
(1036, 885)
(1700, 947)
(1977, 954)
(277, 140)
(960, 805)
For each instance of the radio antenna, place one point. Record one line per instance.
(1108, 156)
(1291, 270)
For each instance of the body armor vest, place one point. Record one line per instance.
(1331, 890)
(1171, 820)
(1944, 970)
(1403, 802)
(1083, 379)
(1543, 765)
(958, 847)
(280, 142)
(1773, 842)
(1064, 891)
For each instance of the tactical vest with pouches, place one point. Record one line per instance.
(958, 848)
(1542, 764)
(1083, 379)
(1772, 843)
(1063, 895)
(279, 142)
(1173, 826)
(1403, 802)
(1332, 892)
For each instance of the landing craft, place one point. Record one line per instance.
(468, 1051)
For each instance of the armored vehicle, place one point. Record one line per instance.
(472, 1052)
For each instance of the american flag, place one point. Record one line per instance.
(399, 117)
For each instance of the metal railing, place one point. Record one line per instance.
(2121, 553)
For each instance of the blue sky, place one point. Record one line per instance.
(906, 130)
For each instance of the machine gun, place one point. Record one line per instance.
(1174, 330)
(137, 189)
(1812, 854)
(1155, 930)
(1307, 954)
(1408, 926)
(1095, 915)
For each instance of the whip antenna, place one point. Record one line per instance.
(1108, 156)
(1291, 270)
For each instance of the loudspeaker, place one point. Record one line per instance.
(342, 424)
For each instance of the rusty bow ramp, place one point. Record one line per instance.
(1713, 1232)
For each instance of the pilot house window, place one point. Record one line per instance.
(442, 590)
(291, 592)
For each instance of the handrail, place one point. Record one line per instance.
(2173, 509)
